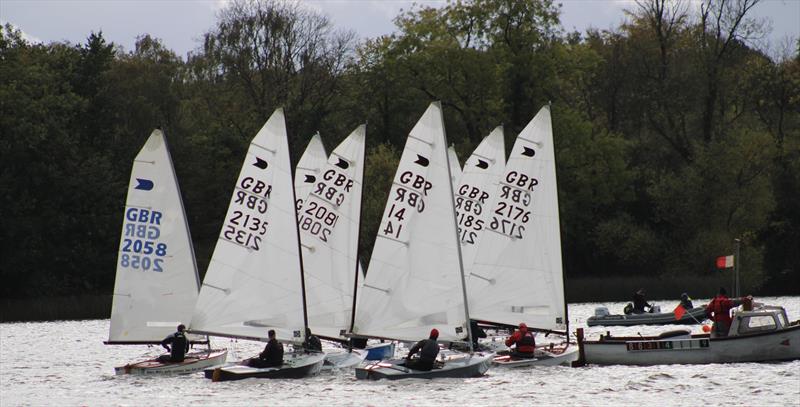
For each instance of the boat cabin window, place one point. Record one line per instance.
(757, 323)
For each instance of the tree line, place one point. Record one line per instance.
(673, 134)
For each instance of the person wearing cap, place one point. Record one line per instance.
(686, 302)
(272, 355)
(428, 350)
(180, 345)
(524, 341)
(639, 303)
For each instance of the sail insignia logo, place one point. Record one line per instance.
(144, 184)
(422, 161)
(260, 163)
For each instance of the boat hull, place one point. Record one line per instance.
(294, 367)
(194, 362)
(543, 358)
(468, 366)
(343, 359)
(693, 316)
(773, 346)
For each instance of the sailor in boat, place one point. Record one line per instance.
(180, 345)
(312, 343)
(686, 302)
(639, 304)
(719, 311)
(428, 350)
(272, 355)
(524, 341)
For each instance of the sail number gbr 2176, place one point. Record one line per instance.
(511, 212)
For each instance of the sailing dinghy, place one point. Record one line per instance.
(517, 274)
(156, 283)
(415, 280)
(329, 221)
(254, 281)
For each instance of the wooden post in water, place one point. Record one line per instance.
(581, 355)
(736, 267)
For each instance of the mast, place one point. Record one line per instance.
(563, 276)
(299, 248)
(458, 238)
(358, 238)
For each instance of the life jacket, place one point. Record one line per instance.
(179, 346)
(720, 306)
(527, 343)
(429, 351)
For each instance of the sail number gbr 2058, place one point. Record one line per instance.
(140, 249)
(511, 212)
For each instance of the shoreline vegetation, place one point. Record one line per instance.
(662, 291)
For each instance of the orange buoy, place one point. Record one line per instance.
(706, 328)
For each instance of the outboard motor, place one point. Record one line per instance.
(601, 312)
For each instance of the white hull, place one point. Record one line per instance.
(194, 362)
(695, 349)
(342, 359)
(543, 358)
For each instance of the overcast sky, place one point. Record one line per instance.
(181, 23)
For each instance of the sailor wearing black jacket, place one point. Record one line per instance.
(180, 345)
(428, 350)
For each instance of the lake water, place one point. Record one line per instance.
(66, 363)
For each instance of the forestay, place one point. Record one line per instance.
(253, 282)
(414, 280)
(329, 222)
(308, 169)
(517, 273)
(475, 192)
(455, 165)
(156, 283)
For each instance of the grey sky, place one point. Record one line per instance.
(181, 23)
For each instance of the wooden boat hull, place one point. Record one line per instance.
(543, 358)
(194, 362)
(772, 346)
(468, 366)
(343, 359)
(380, 351)
(296, 366)
(693, 316)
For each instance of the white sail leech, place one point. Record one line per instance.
(309, 169)
(329, 222)
(475, 192)
(156, 282)
(517, 272)
(253, 282)
(455, 166)
(414, 285)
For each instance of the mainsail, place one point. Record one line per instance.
(156, 283)
(517, 273)
(308, 169)
(253, 282)
(329, 222)
(475, 192)
(414, 280)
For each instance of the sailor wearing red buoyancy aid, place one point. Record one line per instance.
(719, 311)
(524, 341)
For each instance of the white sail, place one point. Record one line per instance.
(517, 273)
(475, 192)
(308, 169)
(414, 280)
(253, 282)
(329, 222)
(455, 166)
(156, 284)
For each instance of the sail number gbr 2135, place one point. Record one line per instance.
(245, 224)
